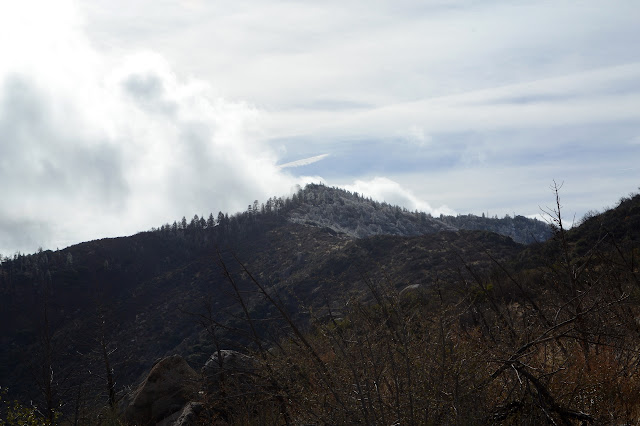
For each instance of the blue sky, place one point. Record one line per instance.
(118, 116)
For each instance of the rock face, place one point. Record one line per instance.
(186, 417)
(170, 385)
(229, 367)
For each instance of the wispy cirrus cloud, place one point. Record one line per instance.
(604, 95)
(304, 161)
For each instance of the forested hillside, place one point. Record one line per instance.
(127, 302)
(360, 217)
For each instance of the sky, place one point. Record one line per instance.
(120, 116)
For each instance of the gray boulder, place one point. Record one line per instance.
(170, 385)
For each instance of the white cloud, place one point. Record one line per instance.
(600, 96)
(384, 189)
(417, 136)
(277, 52)
(304, 161)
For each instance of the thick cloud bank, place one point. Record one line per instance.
(95, 146)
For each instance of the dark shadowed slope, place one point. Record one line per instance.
(139, 298)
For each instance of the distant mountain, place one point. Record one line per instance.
(360, 217)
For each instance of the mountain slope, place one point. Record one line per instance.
(145, 296)
(145, 287)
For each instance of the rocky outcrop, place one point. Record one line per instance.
(169, 394)
(185, 417)
(228, 367)
(170, 385)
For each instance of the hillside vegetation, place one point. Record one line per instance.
(361, 217)
(557, 343)
(355, 312)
